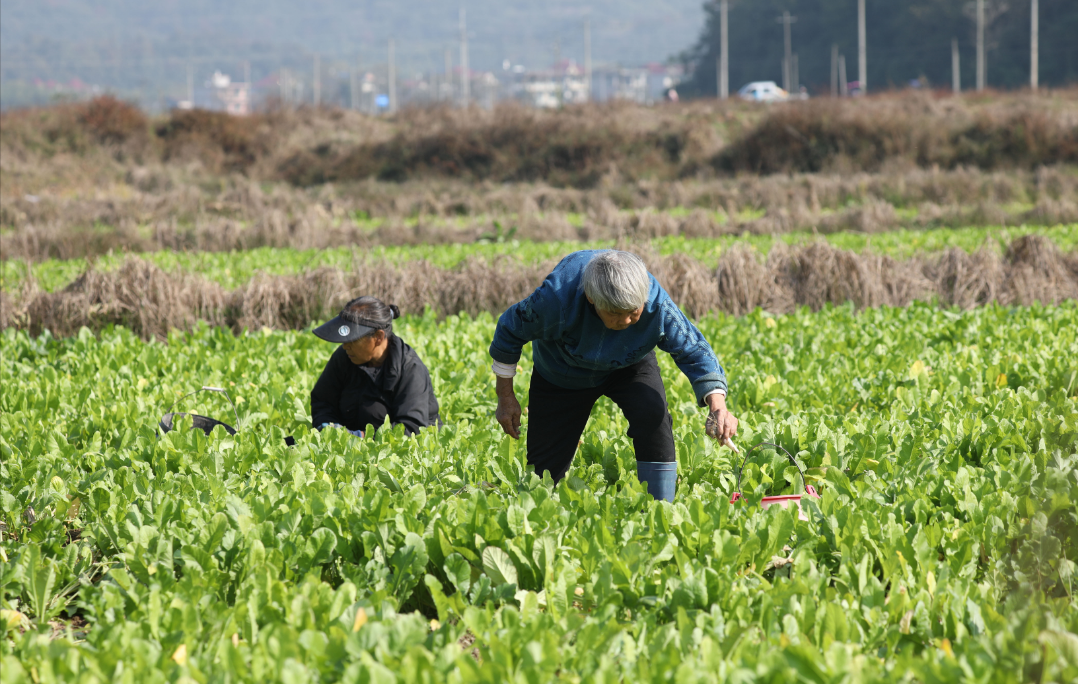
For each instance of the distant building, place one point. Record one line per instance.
(235, 98)
(620, 83)
(549, 89)
(563, 84)
(567, 84)
(644, 85)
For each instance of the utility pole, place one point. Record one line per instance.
(834, 69)
(843, 84)
(145, 76)
(1034, 39)
(190, 85)
(787, 61)
(981, 66)
(558, 77)
(862, 51)
(392, 78)
(724, 50)
(249, 104)
(956, 74)
(587, 57)
(316, 97)
(449, 74)
(464, 84)
(356, 92)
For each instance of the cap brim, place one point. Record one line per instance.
(339, 330)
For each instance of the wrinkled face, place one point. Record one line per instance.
(361, 351)
(619, 320)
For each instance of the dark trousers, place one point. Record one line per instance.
(557, 416)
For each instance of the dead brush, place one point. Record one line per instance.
(181, 212)
(699, 224)
(112, 121)
(967, 280)
(831, 135)
(873, 216)
(818, 274)
(1036, 272)
(477, 286)
(221, 142)
(1050, 212)
(744, 283)
(286, 302)
(690, 283)
(139, 296)
(152, 302)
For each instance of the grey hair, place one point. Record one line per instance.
(616, 281)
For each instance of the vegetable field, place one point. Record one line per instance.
(944, 446)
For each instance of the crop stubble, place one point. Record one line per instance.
(152, 302)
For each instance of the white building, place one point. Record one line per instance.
(234, 97)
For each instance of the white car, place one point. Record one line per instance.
(763, 91)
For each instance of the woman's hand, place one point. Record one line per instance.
(508, 413)
(355, 433)
(721, 424)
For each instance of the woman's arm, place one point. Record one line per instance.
(536, 317)
(520, 324)
(326, 395)
(691, 351)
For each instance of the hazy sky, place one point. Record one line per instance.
(626, 31)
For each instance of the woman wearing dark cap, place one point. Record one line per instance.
(373, 374)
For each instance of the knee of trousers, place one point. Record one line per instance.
(650, 423)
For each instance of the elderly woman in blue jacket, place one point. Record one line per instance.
(594, 325)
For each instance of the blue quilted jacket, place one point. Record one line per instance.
(573, 349)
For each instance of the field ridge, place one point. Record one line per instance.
(153, 302)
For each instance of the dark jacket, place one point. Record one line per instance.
(357, 396)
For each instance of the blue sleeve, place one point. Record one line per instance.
(690, 350)
(537, 317)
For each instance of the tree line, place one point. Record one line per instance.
(909, 40)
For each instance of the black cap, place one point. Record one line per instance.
(339, 329)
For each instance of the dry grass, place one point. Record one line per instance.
(152, 302)
(582, 146)
(825, 134)
(585, 146)
(161, 208)
(139, 296)
(80, 180)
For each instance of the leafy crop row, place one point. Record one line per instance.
(234, 269)
(943, 548)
